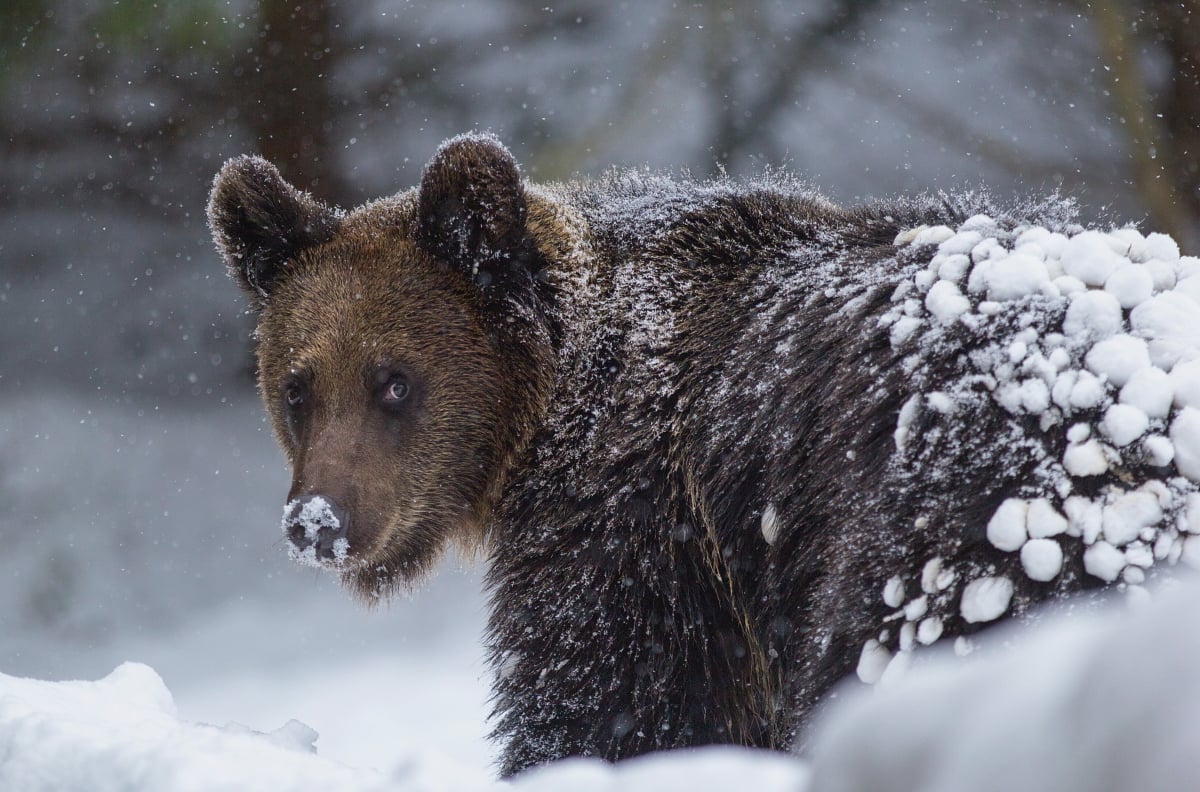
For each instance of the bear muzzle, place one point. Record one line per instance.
(316, 528)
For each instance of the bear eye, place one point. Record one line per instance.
(397, 390)
(293, 395)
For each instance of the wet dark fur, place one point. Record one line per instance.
(635, 603)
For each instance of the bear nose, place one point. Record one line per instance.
(317, 522)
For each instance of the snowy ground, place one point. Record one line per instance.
(125, 732)
(377, 701)
(1102, 702)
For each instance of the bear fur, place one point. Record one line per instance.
(710, 471)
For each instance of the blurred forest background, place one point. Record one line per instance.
(137, 482)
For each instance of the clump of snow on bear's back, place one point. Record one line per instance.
(1128, 341)
(985, 599)
(1185, 434)
(1090, 341)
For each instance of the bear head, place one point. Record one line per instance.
(403, 350)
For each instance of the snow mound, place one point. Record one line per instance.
(691, 770)
(122, 733)
(1105, 702)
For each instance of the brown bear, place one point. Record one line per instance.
(723, 444)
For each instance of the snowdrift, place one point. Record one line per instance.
(1106, 701)
(122, 733)
(1103, 701)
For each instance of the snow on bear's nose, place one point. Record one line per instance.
(316, 528)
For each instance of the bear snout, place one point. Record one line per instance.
(316, 528)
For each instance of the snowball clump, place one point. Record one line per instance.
(1089, 340)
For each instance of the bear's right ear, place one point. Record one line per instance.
(471, 213)
(259, 221)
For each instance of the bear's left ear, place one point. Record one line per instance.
(259, 221)
(471, 212)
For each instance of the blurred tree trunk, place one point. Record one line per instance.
(288, 101)
(1152, 174)
(1177, 26)
(744, 123)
